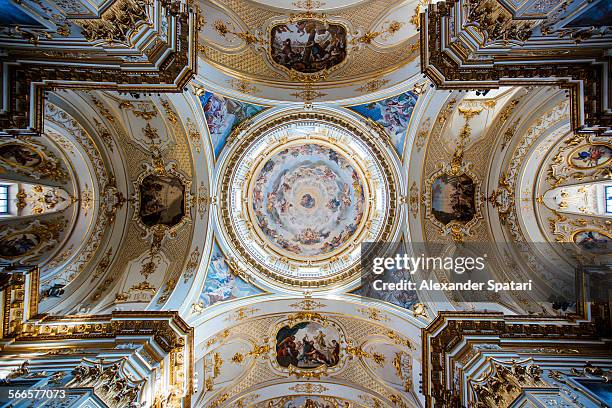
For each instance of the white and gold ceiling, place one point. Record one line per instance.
(195, 205)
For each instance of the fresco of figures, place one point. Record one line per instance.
(595, 242)
(18, 245)
(308, 46)
(590, 156)
(401, 298)
(221, 284)
(308, 345)
(393, 114)
(19, 155)
(162, 200)
(369, 251)
(308, 200)
(453, 198)
(223, 115)
(304, 401)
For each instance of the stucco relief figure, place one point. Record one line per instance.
(162, 200)
(20, 155)
(308, 46)
(453, 198)
(307, 345)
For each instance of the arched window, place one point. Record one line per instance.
(592, 198)
(4, 199)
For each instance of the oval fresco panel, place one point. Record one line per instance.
(16, 245)
(308, 46)
(591, 156)
(162, 200)
(308, 345)
(20, 155)
(304, 401)
(453, 198)
(593, 241)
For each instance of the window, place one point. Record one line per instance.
(608, 199)
(4, 199)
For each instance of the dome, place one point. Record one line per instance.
(301, 191)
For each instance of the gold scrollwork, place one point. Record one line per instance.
(159, 167)
(373, 85)
(242, 138)
(31, 159)
(389, 29)
(116, 23)
(456, 229)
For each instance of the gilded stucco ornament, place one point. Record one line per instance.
(31, 158)
(162, 199)
(115, 25)
(504, 382)
(453, 199)
(475, 44)
(108, 381)
(28, 241)
(281, 183)
(581, 158)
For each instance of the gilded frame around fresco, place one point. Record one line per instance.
(457, 230)
(237, 147)
(159, 168)
(303, 76)
(322, 370)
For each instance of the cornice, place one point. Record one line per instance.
(28, 77)
(453, 59)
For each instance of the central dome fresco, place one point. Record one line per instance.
(308, 199)
(300, 192)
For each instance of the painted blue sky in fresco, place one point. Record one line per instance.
(221, 284)
(223, 115)
(393, 114)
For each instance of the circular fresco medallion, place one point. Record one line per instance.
(300, 192)
(308, 199)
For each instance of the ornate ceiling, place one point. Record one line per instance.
(307, 190)
(190, 186)
(241, 45)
